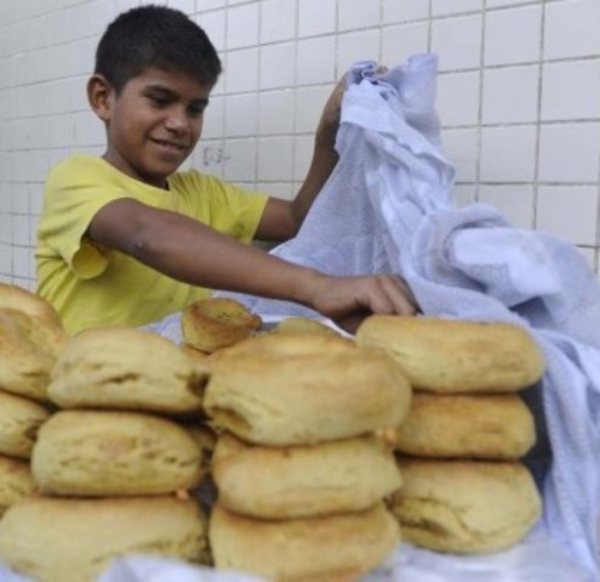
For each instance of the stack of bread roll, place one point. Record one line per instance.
(30, 337)
(114, 463)
(300, 472)
(464, 488)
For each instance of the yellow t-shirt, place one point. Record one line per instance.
(91, 286)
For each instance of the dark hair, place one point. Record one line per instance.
(155, 36)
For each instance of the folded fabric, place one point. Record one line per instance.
(388, 207)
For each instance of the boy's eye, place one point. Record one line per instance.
(159, 100)
(197, 110)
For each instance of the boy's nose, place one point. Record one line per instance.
(177, 121)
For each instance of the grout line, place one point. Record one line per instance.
(479, 131)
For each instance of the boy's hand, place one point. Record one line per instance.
(348, 300)
(330, 118)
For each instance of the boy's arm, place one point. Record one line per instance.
(281, 219)
(188, 251)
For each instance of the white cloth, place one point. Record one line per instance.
(388, 207)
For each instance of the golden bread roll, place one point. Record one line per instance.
(211, 324)
(301, 343)
(465, 507)
(16, 482)
(314, 548)
(25, 366)
(303, 324)
(73, 540)
(443, 355)
(20, 420)
(281, 398)
(92, 453)
(303, 481)
(489, 426)
(47, 325)
(126, 368)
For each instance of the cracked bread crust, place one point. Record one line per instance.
(20, 420)
(126, 368)
(16, 482)
(211, 324)
(93, 453)
(455, 356)
(56, 540)
(465, 507)
(303, 481)
(487, 426)
(317, 548)
(298, 394)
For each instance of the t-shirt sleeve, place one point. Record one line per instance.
(73, 196)
(235, 211)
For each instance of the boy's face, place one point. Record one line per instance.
(154, 123)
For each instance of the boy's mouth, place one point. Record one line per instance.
(171, 145)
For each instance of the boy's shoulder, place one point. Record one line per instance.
(74, 164)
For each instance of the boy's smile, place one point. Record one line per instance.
(153, 124)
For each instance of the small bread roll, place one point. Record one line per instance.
(466, 507)
(25, 365)
(126, 368)
(73, 540)
(284, 483)
(491, 426)
(16, 482)
(303, 325)
(318, 548)
(47, 325)
(93, 453)
(443, 355)
(211, 324)
(282, 397)
(20, 420)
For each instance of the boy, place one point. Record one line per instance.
(126, 239)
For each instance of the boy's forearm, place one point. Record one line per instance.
(323, 162)
(198, 255)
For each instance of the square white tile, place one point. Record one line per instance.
(277, 65)
(356, 46)
(510, 94)
(310, 102)
(571, 90)
(355, 14)
(458, 98)
(460, 147)
(316, 17)
(508, 154)
(241, 70)
(276, 112)
(213, 126)
(404, 10)
(241, 115)
(242, 26)
(403, 40)
(457, 41)
(569, 152)
(571, 29)
(516, 202)
(513, 35)
(239, 163)
(569, 212)
(316, 60)
(275, 158)
(277, 20)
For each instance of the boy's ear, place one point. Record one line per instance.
(100, 96)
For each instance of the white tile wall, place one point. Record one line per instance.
(518, 98)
